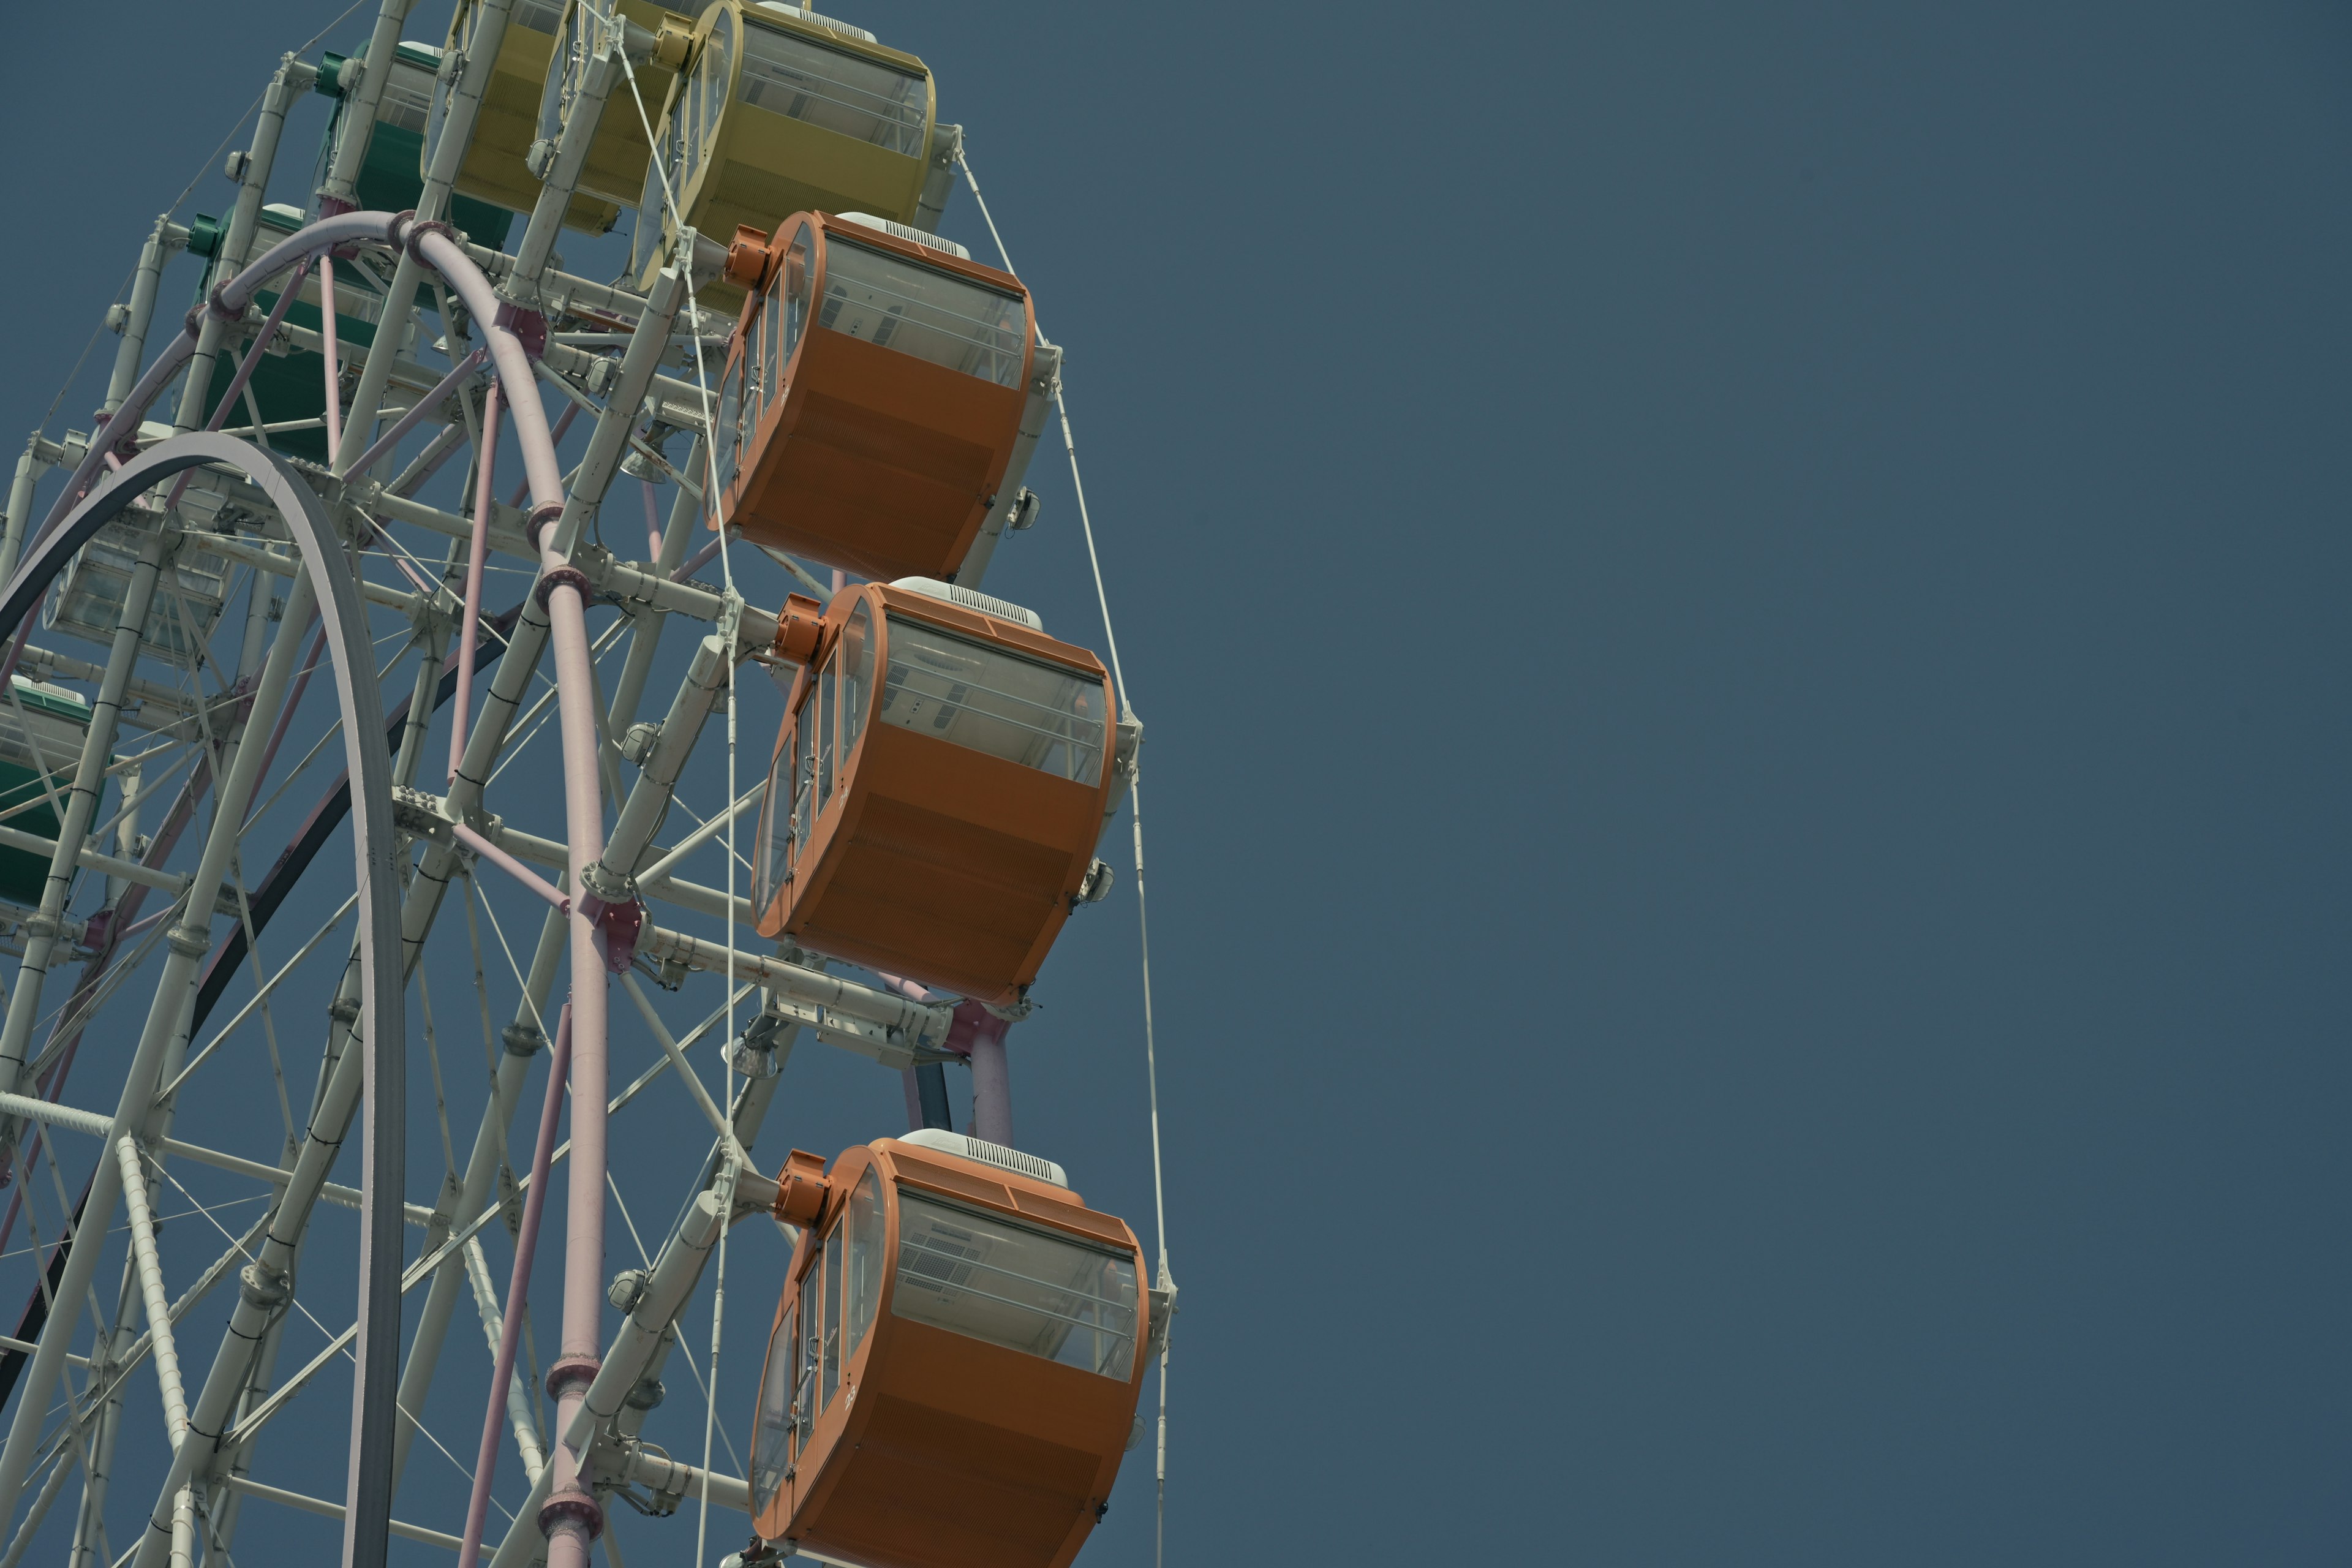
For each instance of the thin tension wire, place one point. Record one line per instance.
(1143, 923)
(728, 621)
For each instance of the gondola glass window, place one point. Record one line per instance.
(1044, 716)
(784, 312)
(954, 1368)
(856, 659)
(832, 1316)
(773, 1443)
(883, 383)
(709, 91)
(833, 90)
(1051, 1295)
(730, 426)
(863, 1286)
(921, 310)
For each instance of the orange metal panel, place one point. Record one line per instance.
(944, 1451)
(870, 460)
(937, 862)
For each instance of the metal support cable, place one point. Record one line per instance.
(1143, 924)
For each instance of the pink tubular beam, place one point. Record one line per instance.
(991, 1077)
(979, 1035)
(426, 588)
(228, 303)
(572, 1518)
(333, 356)
(476, 553)
(485, 1462)
(653, 525)
(416, 411)
(554, 436)
(699, 559)
(511, 866)
(246, 368)
(252, 361)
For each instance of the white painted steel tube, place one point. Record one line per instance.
(482, 1167)
(674, 1275)
(649, 799)
(660, 1473)
(184, 1528)
(519, 1416)
(81, 804)
(923, 1023)
(229, 302)
(455, 133)
(165, 237)
(360, 102)
(644, 637)
(29, 470)
(252, 182)
(151, 1289)
(580, 120)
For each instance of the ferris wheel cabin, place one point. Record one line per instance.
(496, 167)
(953, 1374)
(882, 392)
(936, 797)
(781, 110)
(613, 172)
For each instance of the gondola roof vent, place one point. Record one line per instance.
(987, 1153)
(971, 599)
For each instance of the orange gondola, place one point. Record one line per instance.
(953, 1375)
(936, 797)
(879, 386)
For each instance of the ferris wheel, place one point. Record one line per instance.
(416, 555)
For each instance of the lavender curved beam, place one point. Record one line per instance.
(572, 1518)
(373, 839)
(228, 300)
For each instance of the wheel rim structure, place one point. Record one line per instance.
(199, 796)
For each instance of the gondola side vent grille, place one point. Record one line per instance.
(831, 25)
(988, 1153)
(908, 232)
(972, 599)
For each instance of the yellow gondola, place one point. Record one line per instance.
(781, 110)
(497, 165)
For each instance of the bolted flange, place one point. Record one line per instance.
(572, 1507)
(412, 232)
(263, 1288)
(541, 516)
(569, 1370)
(562, 577)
